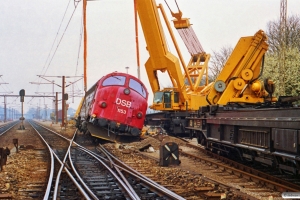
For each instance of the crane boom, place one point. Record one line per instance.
(160, 58)
(237, 83)
(179, 96)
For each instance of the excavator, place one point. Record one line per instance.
(238, 81)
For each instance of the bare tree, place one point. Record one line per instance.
(218, 60)
(292, 34)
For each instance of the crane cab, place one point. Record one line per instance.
(165, 100)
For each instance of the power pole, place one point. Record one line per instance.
(282, 36)
(84, 47)
(64, 96)
(137, 40)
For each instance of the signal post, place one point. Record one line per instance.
(22, 94)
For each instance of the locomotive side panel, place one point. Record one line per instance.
(87, 102)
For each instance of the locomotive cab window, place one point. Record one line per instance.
(135, 85)
(114, 80)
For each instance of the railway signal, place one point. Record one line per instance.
(22, 94)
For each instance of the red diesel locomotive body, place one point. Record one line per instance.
(117, 103)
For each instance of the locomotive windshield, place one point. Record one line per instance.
(133, 84)
(114, 80)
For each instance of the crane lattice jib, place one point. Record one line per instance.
(198, 64)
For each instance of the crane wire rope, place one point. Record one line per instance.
(79, 49)
(169, 6)
(38, 86)
(56, 36)
(6, 86)
(61, 38)
(80, 39)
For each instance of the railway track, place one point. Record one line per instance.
(186, 183)
(6, 127)
(232, 180)
(89, 174)
(259, 174)
(62, 184)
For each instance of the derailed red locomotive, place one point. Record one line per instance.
(115, 106)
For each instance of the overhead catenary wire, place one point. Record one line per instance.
(56, 36)
(39, 80)
(62, 36)
(79, 50)
(2, 86)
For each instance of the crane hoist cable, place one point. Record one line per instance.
(186, 32)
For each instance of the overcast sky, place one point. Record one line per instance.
(36, 39)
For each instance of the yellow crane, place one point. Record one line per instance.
(182, 94)
(238, 82)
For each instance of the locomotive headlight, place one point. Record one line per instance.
(127, 91)
(103, 105)
(139, 115)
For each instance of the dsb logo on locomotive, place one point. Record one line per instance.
(123, 102)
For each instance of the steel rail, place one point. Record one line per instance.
(245, 170)
(121, 174)
(9, 125)
(73, 167)
(72, 178)
(138, 175)
(48, 189)
(86, 187)
(80, 179)
(152, 183)
(124, 186)
(62, 164)
(61, 168)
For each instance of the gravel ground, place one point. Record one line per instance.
(24, 166)
(28, 164)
